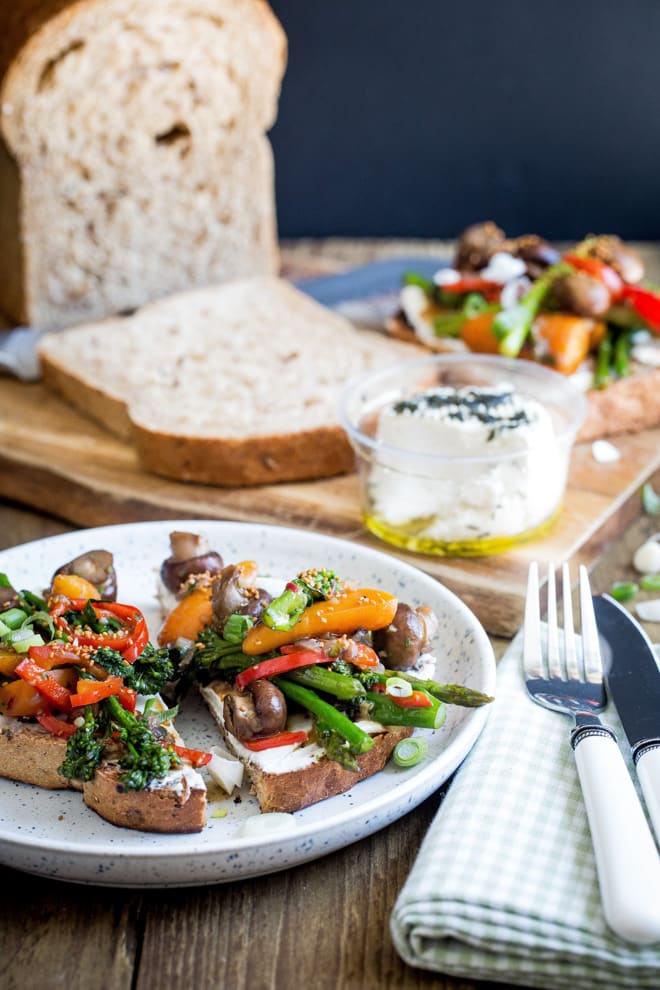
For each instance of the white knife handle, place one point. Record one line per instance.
(648, 772)
(627, 860)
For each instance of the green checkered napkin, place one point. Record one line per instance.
(504, 887)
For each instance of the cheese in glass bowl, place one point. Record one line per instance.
(462, 455)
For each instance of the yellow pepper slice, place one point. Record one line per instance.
(188, 618)
(364, 608)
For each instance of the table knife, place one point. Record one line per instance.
(633, 681)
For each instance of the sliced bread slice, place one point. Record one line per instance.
(235, 385)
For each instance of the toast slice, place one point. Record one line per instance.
(32, 755)
(295, 777)
(232, 385)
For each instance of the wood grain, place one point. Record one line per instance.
(54, 460)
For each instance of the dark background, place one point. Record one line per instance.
(414, 119)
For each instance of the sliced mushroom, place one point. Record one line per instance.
(256, 714)
(233, 591)
(8, 597)
(409, 634)
(97, 567)
(190, 556)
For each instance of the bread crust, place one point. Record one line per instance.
(624, 406)
(64, 254)
(296, 789)
(156, 809)
(229, 462)
(300, 788)
(32, 755)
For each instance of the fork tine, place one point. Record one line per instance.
(554, 662)
(570, 652)
(532, 653)
(593, 667)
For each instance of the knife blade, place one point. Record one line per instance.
(633, 680)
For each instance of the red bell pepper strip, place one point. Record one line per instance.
(55, 654)
(418, 699)
(44, 682)
(600, 271)
(129, 640)
(280, 665)
(56, 726)
(644, 302)
(197, 757)
(281, 739)
(89, 692)
(474, 283)
(362, 656)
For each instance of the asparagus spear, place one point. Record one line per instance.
(334, 720)
(512, 326)
(452, 694)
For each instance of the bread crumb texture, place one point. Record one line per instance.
(232, 385)
(138, 129)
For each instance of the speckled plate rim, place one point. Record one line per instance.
(147, 860)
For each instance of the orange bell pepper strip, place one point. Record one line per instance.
(568, 339)
(477, 334)
(365, 608)
(188, 618)
(72, 586)
(20, 699)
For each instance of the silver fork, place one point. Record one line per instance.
(566, 675)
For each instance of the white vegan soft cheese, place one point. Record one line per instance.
(471, 463)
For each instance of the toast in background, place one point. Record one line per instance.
(233, 385)
(133, 156)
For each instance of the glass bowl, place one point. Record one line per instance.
(476, 466)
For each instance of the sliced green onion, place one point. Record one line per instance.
(398, 688)
(623, 591)
(650, 501)
(14, 617)
(22, 639)
(650, 582)
(412, 278)
(410, 752)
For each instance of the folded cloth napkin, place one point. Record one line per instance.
(504, 887)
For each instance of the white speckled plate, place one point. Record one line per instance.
(53, 834)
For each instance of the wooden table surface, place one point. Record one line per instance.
(323, 926)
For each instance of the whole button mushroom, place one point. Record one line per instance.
(257, 713)
(580, 294)
(190, 556)
(401, 644)
(611, 250)
(97, 567)
(537, 253)
(476, 245)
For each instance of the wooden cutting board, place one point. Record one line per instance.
(53, 460)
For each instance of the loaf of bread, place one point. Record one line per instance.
(234, 385)
(133, 155)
